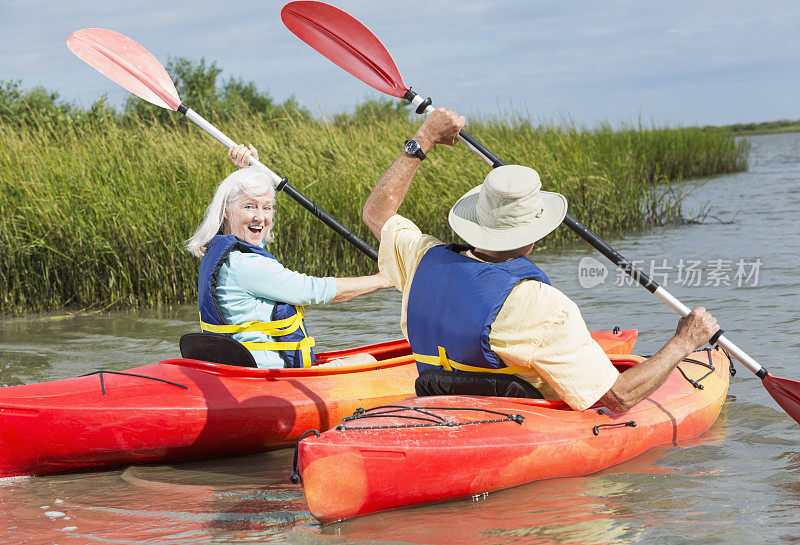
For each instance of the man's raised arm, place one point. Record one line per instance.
(440, 127)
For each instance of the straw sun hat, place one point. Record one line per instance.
(508, 211)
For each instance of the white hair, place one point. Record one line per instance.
(249, 181)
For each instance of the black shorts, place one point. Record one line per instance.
(438, 382)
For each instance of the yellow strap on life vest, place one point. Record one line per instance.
(303, 346)
(443, 361)
(275, 328)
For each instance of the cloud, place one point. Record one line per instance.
(578, 57)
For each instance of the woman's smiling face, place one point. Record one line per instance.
(250, 218)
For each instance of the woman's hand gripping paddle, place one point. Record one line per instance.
(130, 65)
(352, 46)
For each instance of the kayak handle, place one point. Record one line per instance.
(596, 429)
(294, 478)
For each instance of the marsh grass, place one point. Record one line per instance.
(93, 214)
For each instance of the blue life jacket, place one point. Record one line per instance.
(287, 320)
(452, 303)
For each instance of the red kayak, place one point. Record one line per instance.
(183, 409)
(434, 449)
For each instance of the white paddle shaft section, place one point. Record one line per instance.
(673, 303)
(200, 121)
(417, 100)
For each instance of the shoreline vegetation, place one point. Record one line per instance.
(765, 127)
(95, 203)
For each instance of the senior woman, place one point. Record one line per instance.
(244, 291)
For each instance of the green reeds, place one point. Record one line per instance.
(94, 214)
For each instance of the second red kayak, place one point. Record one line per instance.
(433, 449)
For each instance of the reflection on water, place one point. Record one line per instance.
(737, 484)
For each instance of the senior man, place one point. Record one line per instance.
(481, 318)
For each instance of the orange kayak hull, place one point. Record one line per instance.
(351, 472)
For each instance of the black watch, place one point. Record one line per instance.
(412, 147)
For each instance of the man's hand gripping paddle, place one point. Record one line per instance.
(130, 65)
(352, 46)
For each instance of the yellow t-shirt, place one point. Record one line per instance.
(537, 327)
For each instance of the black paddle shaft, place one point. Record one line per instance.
(327, 219)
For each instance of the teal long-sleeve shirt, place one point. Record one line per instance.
(248, 285)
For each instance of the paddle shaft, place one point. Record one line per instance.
(423, 106)
(281, 184)
(134, 68)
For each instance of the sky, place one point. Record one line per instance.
(671, 63)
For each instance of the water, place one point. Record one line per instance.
(738, 483)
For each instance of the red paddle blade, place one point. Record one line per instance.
(345, 41)
(126, 63)
(786, 392)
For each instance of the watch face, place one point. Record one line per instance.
(412, 146)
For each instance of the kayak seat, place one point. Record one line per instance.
(216, 349)
(438, 382)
